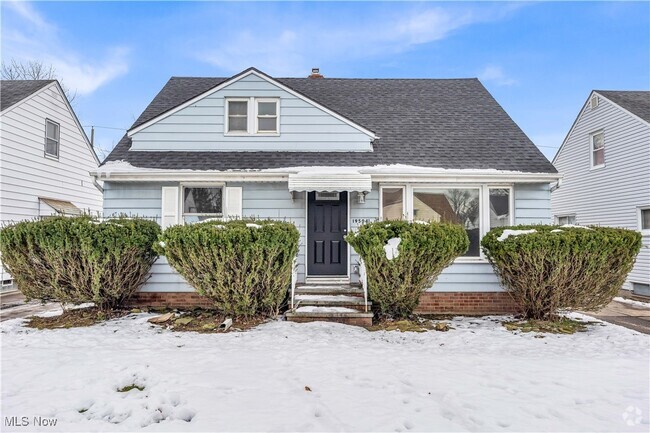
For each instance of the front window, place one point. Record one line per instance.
(267, 116)
(597, 150)
(499, 207)
(237, 116)
(52, 134)
(566, 219)
(392, 203)
(451, 205)
(201, 203)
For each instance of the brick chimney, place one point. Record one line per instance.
(315, 73)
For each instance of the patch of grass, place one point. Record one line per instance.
(130, 387)
(84, 410)
(208, 321)
(75, 318)
(412, 325)
(562, 325)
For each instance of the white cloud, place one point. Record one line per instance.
(313, 40)
(495, 74)
(27, 36)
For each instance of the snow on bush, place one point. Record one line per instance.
(507, 233)
(403, 259)
(569, 268)
(391, 248)
(78, 260)
(243, 267)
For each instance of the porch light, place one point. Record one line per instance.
(361, 197)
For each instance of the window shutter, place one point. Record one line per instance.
(234, 202)
(169, 211)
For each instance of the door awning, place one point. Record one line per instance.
(330, 182)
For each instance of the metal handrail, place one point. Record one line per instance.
(363, 279)
(294, 279)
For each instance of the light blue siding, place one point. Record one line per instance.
(533, 203)
(358, 212)
(200, 126)
(273, 200)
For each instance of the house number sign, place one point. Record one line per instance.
(360, 221)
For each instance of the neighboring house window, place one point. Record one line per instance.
(500, 213)
(392, 203)
(52, 134)
(597, 150)
(252, 116)
(644, 220)
(452, 205)
(201, 203)
(566, 219)
(267, 115)
(237, 115)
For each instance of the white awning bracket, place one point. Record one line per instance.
(330, 182)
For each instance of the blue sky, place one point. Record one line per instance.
(539, 60)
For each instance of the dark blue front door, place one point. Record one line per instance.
(327, 223)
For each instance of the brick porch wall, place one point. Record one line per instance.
(169, 299)
(430, 302)
(466, 303)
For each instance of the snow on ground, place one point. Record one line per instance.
(476, 377)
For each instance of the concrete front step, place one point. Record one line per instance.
(344, 315)
(354, 302)
(329, 289)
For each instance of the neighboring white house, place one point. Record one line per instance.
(605, 164)
(45, 156)
(329, 155)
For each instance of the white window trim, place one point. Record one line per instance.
(181, 202)
(277, 116)
(251, 117)
(226, 120)
(381, 200)
(58, 140)
(591, 149)
(644, 232)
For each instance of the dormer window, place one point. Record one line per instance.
(238, 115)
(252, 116)
(267, 115)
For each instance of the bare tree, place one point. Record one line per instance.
(32, 70)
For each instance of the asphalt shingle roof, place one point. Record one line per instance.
(441, 123)
(636, 102)
(13, 91)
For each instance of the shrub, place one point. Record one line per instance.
(245, 267)
(424, 250)
(78, 260)
(554, 268)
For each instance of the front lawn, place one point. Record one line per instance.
(127, 375)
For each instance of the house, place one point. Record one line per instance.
(45, 156)
(605, 161)
(329, 155)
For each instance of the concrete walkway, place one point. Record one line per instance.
(13, 306)
(628, 315)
